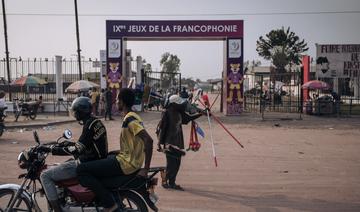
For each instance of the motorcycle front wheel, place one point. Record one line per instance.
(21, 204)
(130, 201)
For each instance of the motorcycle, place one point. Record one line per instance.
(133, 193)
(2, 118)
(27, 109)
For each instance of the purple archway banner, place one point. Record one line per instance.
(230, 31)
(174, 28)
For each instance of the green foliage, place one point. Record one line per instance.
(170, 65)
(147, 67)
(282, 47)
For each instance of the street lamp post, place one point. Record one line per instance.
(77, 38)
(6, 48)
(80, 63)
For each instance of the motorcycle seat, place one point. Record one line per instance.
(157, 169)
(123, 182)
(67, 182)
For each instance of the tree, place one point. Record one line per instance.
(170, 65)
(147, 67)
(282, 47)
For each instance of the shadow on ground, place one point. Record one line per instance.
(270, 203)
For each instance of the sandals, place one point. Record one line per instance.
(175, 187)
(165, 185)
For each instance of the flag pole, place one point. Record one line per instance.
(222, 125)
(211, 137)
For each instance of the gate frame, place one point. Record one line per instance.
(228, 31)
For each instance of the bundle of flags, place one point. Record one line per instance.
(194, 143)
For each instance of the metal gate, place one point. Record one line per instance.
(275, 96)
(163, 81)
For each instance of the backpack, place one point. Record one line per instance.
(160, 126)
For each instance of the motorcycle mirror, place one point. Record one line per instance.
(36, 137)
(67, 134)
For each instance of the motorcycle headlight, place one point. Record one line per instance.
(23, 162)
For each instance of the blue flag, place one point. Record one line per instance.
(199, 130)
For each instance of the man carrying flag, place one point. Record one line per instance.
(171, 138)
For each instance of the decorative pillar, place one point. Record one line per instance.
(58, 77)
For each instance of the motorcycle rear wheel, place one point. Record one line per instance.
(21, 204)
(132, 202)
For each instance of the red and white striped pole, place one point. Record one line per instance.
(212, 139)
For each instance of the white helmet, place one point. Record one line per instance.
(176, 99)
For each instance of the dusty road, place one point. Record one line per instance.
(297, 165)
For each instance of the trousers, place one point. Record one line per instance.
(64, 171)
(172, 168)
(91, 173)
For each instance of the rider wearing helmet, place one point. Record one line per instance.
(135, 150)
(92, 145)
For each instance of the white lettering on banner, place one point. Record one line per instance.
(153, 28)
(205, 28)
(176, 28)
(135, 28)
(118, 28)
(165, 28)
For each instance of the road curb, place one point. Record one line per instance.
(39, 125)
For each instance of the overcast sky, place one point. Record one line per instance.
(32, 33)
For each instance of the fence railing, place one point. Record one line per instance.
(349, 106)
(44, 68)
(271, 92)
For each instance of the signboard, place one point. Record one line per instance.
(342, 61)
(214, 28)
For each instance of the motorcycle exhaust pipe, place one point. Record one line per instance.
(85, 209)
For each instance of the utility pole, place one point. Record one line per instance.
(78, 39)
(6, 48)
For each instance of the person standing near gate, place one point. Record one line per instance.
(336, 100)
(108, 103)
(171, 138)
(95, 96)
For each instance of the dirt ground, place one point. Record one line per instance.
(286, 165)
